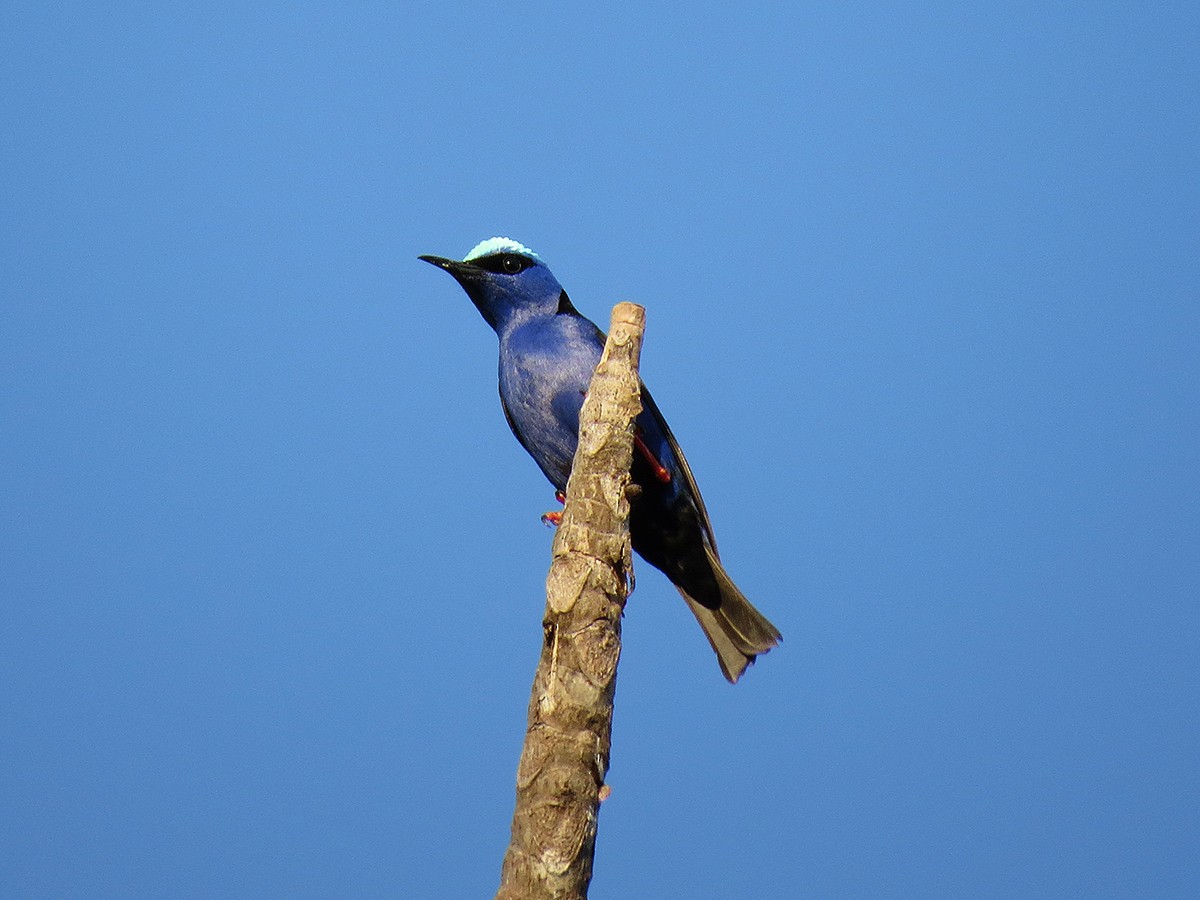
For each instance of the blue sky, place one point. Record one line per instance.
(923, 288)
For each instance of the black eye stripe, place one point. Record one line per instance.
(504, 263)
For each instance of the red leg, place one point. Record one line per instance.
(660, 471)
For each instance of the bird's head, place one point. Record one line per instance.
(507, 282)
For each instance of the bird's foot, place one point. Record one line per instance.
(660, 471)
(554, 519)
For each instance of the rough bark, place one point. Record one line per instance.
(560, 778)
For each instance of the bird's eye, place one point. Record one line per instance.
(503, 263)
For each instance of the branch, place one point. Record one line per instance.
(565, 758)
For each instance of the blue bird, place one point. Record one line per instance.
(548, 352)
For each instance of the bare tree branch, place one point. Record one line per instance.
(565, 758)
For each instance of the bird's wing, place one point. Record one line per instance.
(689, 481)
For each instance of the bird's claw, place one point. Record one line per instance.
(554, 519)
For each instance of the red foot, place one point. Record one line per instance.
(554, 519)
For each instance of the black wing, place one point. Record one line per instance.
(689, 481)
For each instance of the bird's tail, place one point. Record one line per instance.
(736, 630)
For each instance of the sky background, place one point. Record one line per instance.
(923, 289)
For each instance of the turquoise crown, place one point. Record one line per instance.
(499, 245)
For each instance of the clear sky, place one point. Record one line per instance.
(923, 288)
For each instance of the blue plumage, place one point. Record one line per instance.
(548, 352)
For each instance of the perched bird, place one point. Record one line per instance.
(548, 352)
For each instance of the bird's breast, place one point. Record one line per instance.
(543, 379)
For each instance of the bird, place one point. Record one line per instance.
(548, 353)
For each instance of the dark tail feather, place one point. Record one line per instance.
(736, 630)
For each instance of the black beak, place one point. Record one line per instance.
(462, 272)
